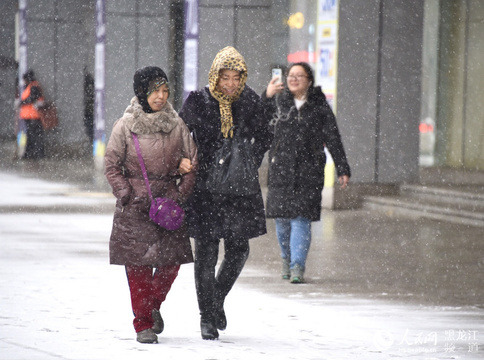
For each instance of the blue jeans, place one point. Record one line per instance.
(294, 236)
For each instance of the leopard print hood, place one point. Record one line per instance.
(227, 59)
(140, 122)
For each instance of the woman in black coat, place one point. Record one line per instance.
(303, 125)
(225, 107)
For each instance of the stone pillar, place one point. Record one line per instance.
(379, 86)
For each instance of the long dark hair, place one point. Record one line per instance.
(307, 69)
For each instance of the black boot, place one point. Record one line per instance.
(206, 254)
(208, 328)
(236, 254)
(220, 319)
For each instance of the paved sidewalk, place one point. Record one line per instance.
(378, 287)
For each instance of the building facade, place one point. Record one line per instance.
(405, 78)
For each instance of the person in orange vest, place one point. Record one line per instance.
(30, 99)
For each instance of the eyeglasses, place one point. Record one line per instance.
(296, 77)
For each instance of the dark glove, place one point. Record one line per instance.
(125, 199)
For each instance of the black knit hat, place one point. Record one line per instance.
(143, 79)
(29, 76)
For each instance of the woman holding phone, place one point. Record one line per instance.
(304, 125)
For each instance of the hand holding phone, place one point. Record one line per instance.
(277, 73)
(275, 86)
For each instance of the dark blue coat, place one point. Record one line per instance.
(240, 216)
(297, 158)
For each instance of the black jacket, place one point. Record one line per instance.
(240, 216)
(297, 158)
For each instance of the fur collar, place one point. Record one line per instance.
(139, 122)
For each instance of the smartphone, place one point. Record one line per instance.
(277, 73)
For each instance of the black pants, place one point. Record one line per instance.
(211, 289)
(35, 140)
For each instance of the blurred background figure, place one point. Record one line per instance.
(89, 104)
(30, 100)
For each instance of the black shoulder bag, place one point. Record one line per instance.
(234, 170)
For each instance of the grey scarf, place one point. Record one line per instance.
(143, 123)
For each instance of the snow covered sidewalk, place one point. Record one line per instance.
(60, 299)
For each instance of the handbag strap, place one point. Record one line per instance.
(142, 163)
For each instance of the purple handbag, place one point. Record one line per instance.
(163, 211)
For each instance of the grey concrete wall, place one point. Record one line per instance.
(59, 46)
(378, 77)
(400, 91)
(357, 84)
(62, 40)
(216, 31)
(255, 42)
(8, 70)
(451, 84)
(460, 130)
(137, 35)
(246, 25)
(474, 106)
(379, 68)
